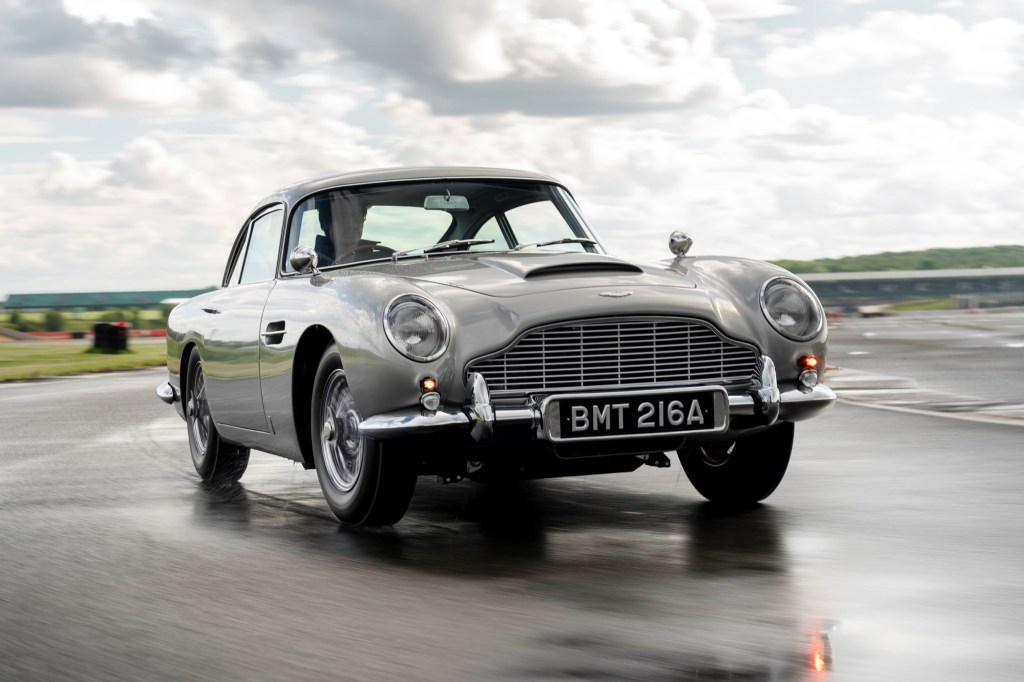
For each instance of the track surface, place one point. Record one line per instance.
(898, 535)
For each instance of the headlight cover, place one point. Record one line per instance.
(792, 308)
(416, 327)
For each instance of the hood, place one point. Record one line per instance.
(512, 274)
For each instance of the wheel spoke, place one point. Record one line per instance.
(343, 451)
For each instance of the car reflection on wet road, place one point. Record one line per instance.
(892, 547)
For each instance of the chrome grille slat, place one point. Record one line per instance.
(622, 352)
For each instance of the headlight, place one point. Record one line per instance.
(792, 308)
(416, 328)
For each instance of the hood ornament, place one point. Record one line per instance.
(615, 294)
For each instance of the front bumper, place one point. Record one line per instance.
(764, 404)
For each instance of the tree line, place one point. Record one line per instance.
(1006, 256)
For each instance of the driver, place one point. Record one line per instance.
(342, 218)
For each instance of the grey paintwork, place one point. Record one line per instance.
(488, 298)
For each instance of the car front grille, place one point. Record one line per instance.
(617, 352)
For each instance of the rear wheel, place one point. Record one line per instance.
(215, 460)
(741, 472)
(365, 482)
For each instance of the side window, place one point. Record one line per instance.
(541, 222)
(261, 256)
(490, 230)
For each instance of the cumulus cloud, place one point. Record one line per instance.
(634, 105)
(567, 57)
(745, 10)
(985, 53)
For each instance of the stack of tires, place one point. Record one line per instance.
(110, 338)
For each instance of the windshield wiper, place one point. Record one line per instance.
(440, 246)
(563, 240)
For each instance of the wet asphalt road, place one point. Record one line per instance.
(898, 535)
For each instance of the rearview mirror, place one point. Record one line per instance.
(446, 202)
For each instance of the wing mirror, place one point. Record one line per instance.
(303, 260)
(679, 243)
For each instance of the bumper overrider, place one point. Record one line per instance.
(762, 405)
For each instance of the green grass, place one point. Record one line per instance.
(913, 306)
(28, 360)
(83, 321)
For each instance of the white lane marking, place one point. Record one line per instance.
(21, 388)
(1015, 345)
(967, 417)
(870, 334)
(859, 352)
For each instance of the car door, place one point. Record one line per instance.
(231, 357)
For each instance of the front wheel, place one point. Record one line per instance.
(215, 460)
(365, 482)
(741, 472)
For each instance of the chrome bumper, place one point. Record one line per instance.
(765, 402)
(167, 393)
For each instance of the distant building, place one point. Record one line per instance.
(972, 288)
(107, 300)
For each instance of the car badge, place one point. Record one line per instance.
(615, 294)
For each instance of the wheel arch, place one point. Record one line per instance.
(186, 353)
(306, 361)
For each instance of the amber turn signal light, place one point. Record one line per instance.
(428, 384)
(807, 362)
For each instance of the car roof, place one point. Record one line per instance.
(295, 192)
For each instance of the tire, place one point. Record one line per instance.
(216, 460)
(740, 473)
(365, 482)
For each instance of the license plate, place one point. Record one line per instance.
(597, 416)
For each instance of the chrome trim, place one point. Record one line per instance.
(480, 411)
(812, 298)
(799, 403)
(167, 393)
(411, 422)
(551, 418)
(766, 396)
(473, 365)
(480, 417)
(446, 326)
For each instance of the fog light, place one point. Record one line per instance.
(809, 378)
(431, 400)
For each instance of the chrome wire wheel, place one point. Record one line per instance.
(198, 411)
(340, 442)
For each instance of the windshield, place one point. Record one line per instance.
(353, 225)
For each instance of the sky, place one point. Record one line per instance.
(136, 135)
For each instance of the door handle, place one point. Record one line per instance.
(212, 311)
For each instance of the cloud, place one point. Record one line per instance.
(568, 57)
(986, 53)
(745, 10)
(633, 105)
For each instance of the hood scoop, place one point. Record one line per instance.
(544, 265)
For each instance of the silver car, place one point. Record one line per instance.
(468, 323)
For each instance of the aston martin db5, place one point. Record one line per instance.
(468, 323)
